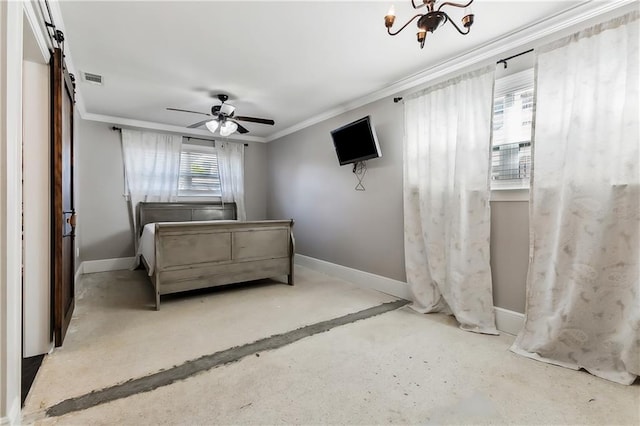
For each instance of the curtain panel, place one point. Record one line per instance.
(231, 166)
(151, 168)
(446, 199)
(583, 293)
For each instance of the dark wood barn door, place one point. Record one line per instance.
(63, 215)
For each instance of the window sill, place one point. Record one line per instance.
(510, 195)
(199, 198)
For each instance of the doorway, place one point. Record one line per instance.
(36, 206)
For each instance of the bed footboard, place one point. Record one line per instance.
(194, 255)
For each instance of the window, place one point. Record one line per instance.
(512, 120)
(199, 174)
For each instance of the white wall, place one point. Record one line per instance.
(37, 209)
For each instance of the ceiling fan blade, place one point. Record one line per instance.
(241, 129)
(198, 124)
(185, 110)
(255, 120)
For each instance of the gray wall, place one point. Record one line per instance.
(509, 253)
(104, 230)
(334, 222)
(298, 177)
(364, 230)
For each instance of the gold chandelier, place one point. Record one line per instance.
(430, 20)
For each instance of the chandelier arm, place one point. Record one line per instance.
(404, 26)
(454, 24)
(448, 3)
(418, 6)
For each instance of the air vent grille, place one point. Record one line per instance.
(92, 78)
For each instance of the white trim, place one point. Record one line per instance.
(79, 272)
(357, 277)
(103, 265)
(490, 51)
(139, 124)
(34, 23)
(13, 418)
(510, 195)
(507, 321)
(11, 51)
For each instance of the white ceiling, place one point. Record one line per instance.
(289, 61)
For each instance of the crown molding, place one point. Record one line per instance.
(39, 33)
(139, 124)
(85, 115)
(489, 51)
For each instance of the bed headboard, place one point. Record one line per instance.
(184, 212)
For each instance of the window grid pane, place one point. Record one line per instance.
(511, 161)
(511, 143)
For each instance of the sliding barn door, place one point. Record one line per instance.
(63, 214)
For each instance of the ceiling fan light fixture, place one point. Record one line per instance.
(212, 125)
(227, 109)
(227, 128)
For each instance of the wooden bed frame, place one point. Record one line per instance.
(205, 254)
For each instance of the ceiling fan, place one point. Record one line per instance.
(222, 116)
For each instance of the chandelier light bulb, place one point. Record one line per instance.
(392, 11)
(390, 17)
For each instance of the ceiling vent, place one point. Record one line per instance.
(92, 78)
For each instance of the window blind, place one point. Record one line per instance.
(199, 174)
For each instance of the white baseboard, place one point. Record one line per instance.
(360, 278)
(506, 321)
(509, 321)
(13, 416)
(91, 266)
(79, 271)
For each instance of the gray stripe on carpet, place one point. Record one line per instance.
(207, 362)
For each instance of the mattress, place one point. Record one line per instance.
(146, 246)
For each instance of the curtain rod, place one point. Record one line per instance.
(501, 61)
(504, 61)
(114, 128)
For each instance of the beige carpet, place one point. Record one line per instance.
(398, 367)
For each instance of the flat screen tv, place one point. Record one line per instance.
(356, 142)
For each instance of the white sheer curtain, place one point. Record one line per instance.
(151, 167)
(583, 296)
(231, 166)
(446, 199)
